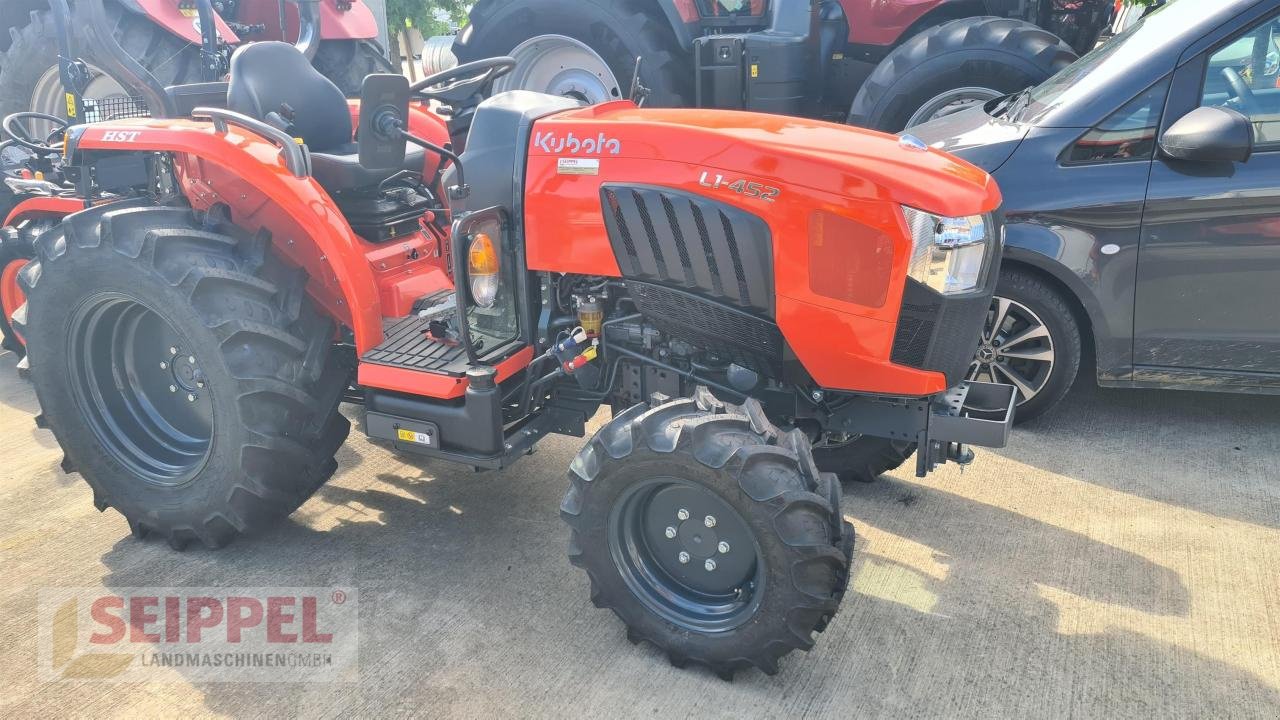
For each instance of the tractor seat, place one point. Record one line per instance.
(275, 78)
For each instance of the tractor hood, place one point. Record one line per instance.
(786, 152)
(975, 136)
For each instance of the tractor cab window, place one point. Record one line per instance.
(1244, 75)
(1128, 134)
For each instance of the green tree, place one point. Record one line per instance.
(430, 17)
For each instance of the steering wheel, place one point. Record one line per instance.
(1241, 90)
(12, 126)
(459, 84)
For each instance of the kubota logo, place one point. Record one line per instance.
(210, 634)
(550, 142)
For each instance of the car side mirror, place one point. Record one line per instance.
(1209, 135)
(384, 114)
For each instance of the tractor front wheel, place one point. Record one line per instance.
(709, 532)
(955, 66)
(863, 459)
(182, 370)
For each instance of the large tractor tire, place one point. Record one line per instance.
(863, 459)
(955, 66)
(29, 72)
(709, 532)
(183, 371)
(348, 62)
(584, 50)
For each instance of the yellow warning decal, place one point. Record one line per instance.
(71, 105)
(416, 438)
(755, 70)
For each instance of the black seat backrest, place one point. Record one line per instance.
(268, 76)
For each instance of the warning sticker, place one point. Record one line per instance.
(578, 166)
(416, 438)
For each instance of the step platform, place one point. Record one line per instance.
(407, 345)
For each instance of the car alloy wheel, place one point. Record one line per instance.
(1016, 349)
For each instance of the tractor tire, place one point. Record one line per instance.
(617, 31)
(755, 554)
(954, 66)
(864, 459)
(183, 371)
(34, 53)
(348, 62)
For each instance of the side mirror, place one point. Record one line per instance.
(384, 113)
(1210, 135)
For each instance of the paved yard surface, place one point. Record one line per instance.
(1122, 558)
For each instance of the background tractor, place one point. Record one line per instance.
(752, 296)
(886, 64)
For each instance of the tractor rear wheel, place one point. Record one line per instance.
(348, 62)
(183, 371)
(955, 66)
(583, 50)
(29, 79)
(709, 532)
(863, 459)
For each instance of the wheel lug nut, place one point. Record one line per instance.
(671, 533)
(683, 557)
(164, 365)
(191, 359)
(709, 521)
(173, 351)
(191, 397)
(723, 547)
(709, 565)
(682, 514)
(173, 388)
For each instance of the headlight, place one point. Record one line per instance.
(482, 269)
(949, 253)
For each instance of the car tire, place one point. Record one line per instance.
(990, 54)
(1027, 300)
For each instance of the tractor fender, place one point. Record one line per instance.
(355, 23)
(246, 173)
(43, 206)
(167, 15)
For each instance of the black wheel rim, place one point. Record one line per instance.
(700, 574)
(140, 388)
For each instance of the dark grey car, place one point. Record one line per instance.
(1142, 200)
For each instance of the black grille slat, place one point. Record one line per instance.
(937, 333)
(693, 243)
(732, 333)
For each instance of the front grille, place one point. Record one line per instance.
(692, 243)
(737, 336)
(937, 333)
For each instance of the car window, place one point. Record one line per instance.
(1244, 75)
(1127, 134)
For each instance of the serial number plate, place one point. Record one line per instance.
(425, 439)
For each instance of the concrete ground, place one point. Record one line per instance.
(1121, 558)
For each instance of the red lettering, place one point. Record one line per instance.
(139, 617)
(309, 634)
(238, 620)
(197, 621)
(172, 628)
(277, 618)
(100, 612)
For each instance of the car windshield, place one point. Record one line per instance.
(1115, 58)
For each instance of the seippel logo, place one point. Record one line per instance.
(551, 142)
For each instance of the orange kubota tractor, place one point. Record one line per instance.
(754, 296)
